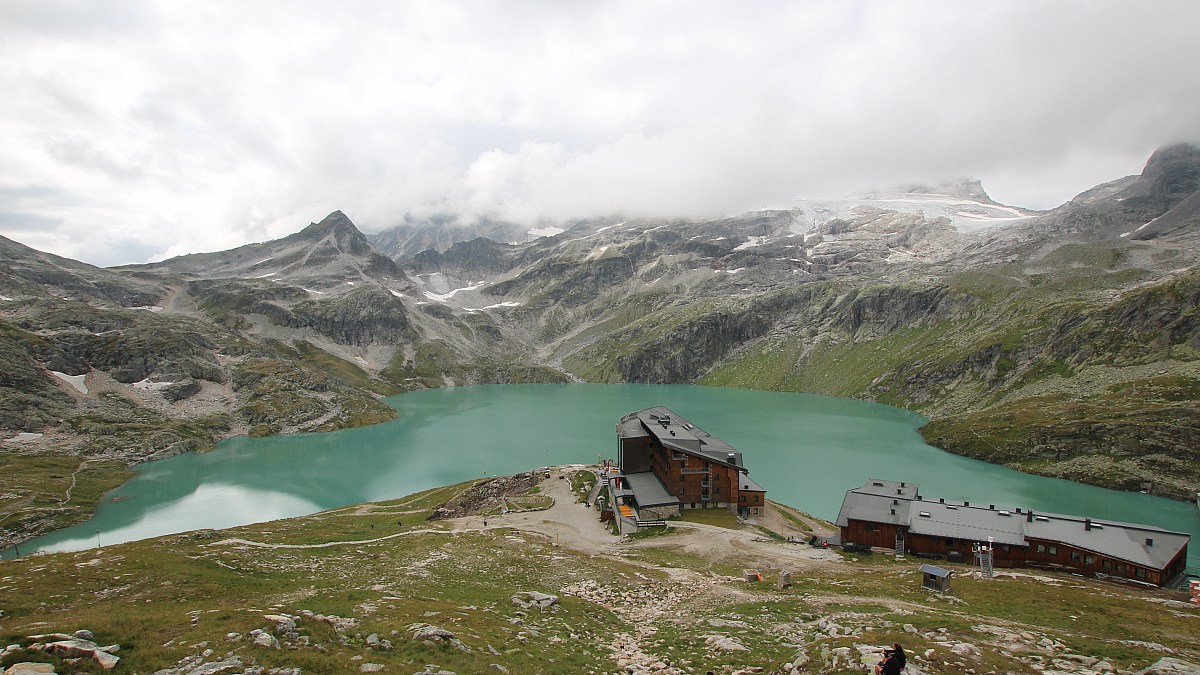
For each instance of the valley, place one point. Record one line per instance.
(1063, 342)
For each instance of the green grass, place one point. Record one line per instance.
(582, 483)
(162, 598)
(721, 517)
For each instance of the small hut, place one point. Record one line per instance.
(935, 578)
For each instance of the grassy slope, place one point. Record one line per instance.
(165, 600)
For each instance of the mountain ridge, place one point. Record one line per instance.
(1019, 334)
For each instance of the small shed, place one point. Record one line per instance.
(935, 578)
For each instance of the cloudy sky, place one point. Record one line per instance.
(131, 131)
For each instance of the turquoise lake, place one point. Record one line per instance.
(805, 450)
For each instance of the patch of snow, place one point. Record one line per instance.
(1139, 229)
(264, 276)
(546, 231)
(753, 242)
(309, 290)
(5, 298)
(73, 380)
(596, 253)
(733, 271)
(398, 294)
(443, 297)
(148, 308)
(349, 283)
(147, 385)
(362, 360)
(510, 303)
(421, 302)
(263, 261)
(23, 437)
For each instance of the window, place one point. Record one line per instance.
(742, 499)
(949, 542)
(1075, 556)
(1053, 550)
(1107, 565)
(1139, 573)
(757, 498)
(681, 489)
(1041, 548)
(1089, 560)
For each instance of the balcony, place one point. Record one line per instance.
(693, 471)
(706, 484)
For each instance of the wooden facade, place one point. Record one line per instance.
(698, 470)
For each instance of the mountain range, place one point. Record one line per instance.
(1063, 342)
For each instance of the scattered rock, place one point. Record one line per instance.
(1170, 666)
(226, 666)
(370, 667)
(498, 668)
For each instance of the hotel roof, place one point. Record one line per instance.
(674, 432)
(897, 503)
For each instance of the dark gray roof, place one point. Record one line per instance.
(631, 428)
(868, 503)
(648, 491)
(746, 483)
(1126, 541)
(876, 501)
(679, 434)
(966, 522)
(936, 571)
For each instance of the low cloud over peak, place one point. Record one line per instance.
(137, 131)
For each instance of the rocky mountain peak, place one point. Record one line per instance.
(1173, 172)
(338, 227)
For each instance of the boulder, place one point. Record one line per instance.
(264, 639)
(433, 635)
(229, 665)
(30, 669)
(283, 623)
(83, 649)
(531, 599)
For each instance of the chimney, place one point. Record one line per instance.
(1028, 516)
(991, 507)
(901, 483)
(941, 500)
(895, 501)
(1087, 524)
(899, 491)
(894, 513)
(966, 503)
(1149, 541)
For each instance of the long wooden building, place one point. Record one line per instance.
(678, 465)
(893, 514)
